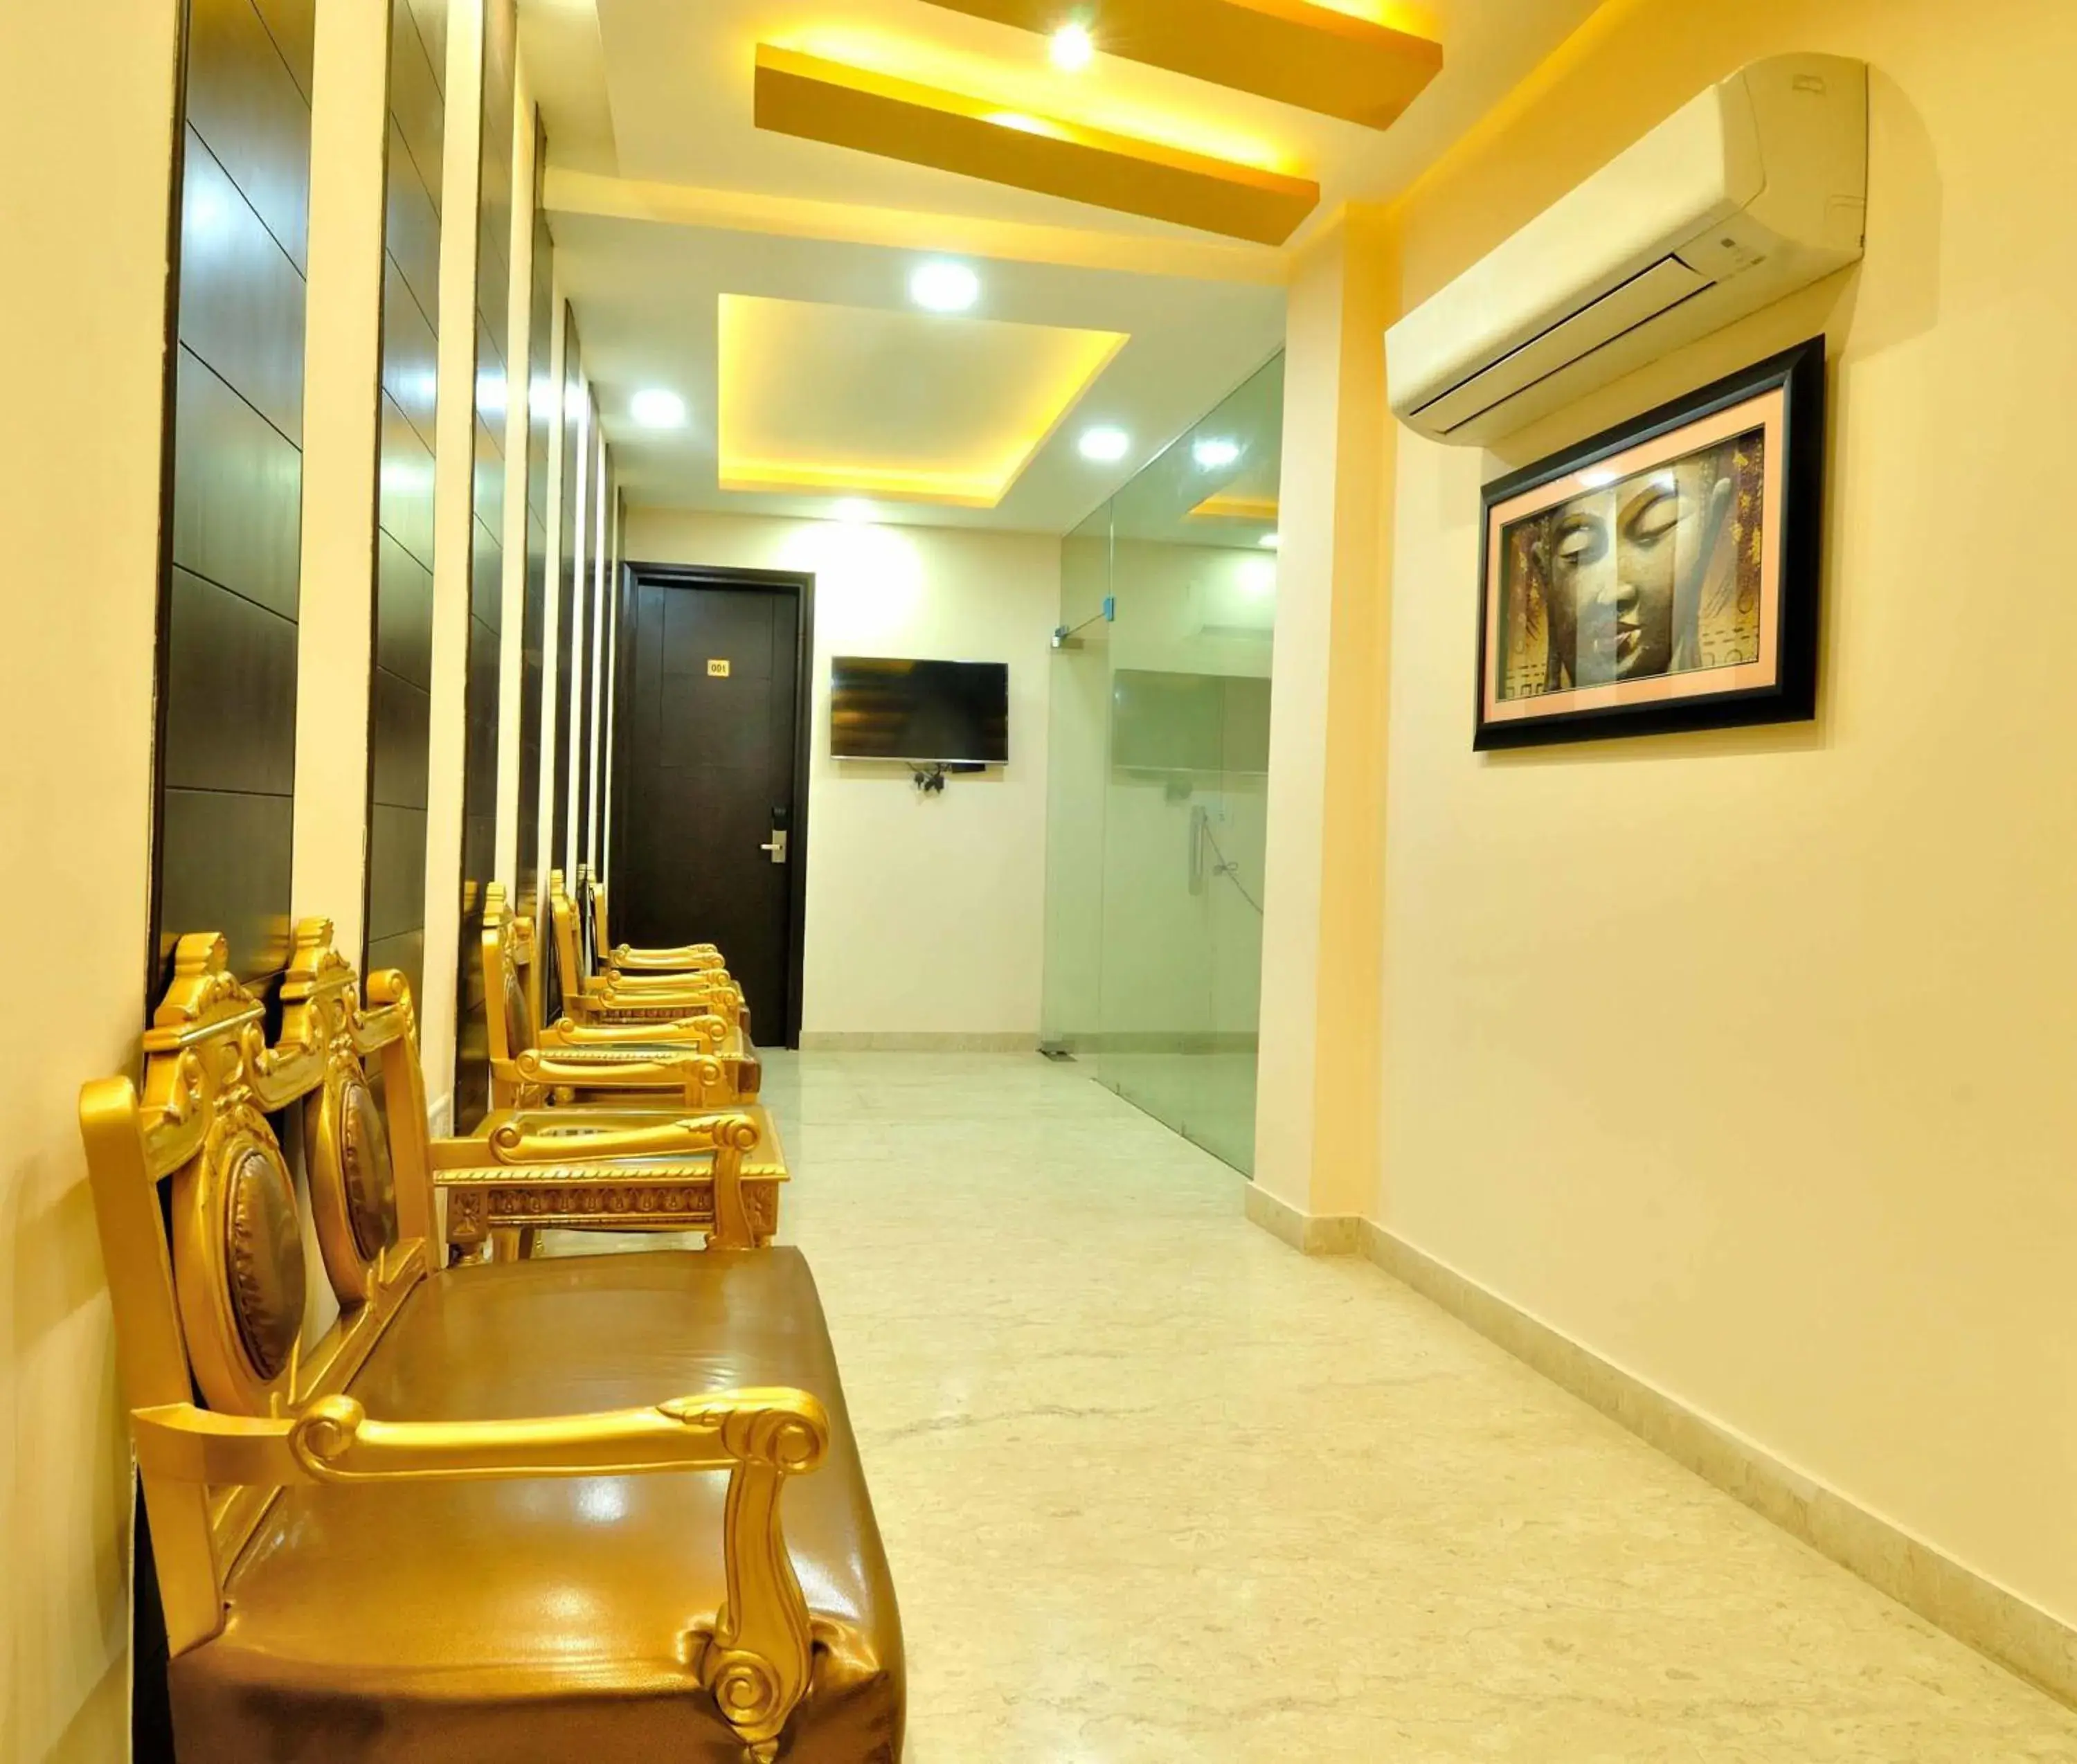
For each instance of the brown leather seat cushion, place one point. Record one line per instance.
(541, 1622)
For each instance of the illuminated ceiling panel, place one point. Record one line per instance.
(920, 407)
(1319, 58)
(874, 112)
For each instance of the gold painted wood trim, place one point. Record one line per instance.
(1310, 56)
(817, 99)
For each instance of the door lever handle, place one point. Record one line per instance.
(775, 845)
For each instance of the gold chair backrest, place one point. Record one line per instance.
(569, 946)
(208, 1294)
(367, 1159)
(510, 1008)
(601, 926)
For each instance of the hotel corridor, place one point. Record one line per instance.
(1156, 1489)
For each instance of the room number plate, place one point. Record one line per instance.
(717, 668)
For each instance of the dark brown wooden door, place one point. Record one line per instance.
(707, 784)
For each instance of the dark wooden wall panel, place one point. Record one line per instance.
(479, 841)
(400, 707)
(227, 628)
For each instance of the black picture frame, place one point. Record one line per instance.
(1798, 375)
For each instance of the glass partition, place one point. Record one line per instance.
(1158, 774)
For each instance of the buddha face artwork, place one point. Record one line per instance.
(1655, 574)
(1645, 575)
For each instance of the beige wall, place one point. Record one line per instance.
(86, 100)
(926, 914)
(1316, 1148)
(342, 359)
(1743, 1058)
(454, 526)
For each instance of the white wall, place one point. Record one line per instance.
(85, 231)
(925, 913)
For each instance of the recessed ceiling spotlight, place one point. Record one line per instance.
(1270, 541)
(942, 285)
(1073, 48)
(1214, 451)
(655, 407)
(1105, 443)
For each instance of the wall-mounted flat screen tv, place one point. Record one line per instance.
(946, 712)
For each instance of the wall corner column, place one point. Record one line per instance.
(342, 371)
(1317, 1134)
(454, 516)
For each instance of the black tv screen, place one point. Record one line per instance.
(953, 713)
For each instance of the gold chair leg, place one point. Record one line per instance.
(507, 1243)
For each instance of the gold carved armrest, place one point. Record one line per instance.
(653, 1005)
(704, 1030)
(640, 1066)
(708, 1028)
(715, 979)
(627, 958)
(712, 982)
(515, 1143)
(575, 1174)
(753, 1657)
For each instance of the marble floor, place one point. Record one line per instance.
(1156, 1489)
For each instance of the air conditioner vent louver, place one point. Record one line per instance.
(1641, 298)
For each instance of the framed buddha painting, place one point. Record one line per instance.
(1663, 575)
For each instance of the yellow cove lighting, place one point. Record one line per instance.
(1321, 58)
(845, 106)
(891, 402)
(1222, 506)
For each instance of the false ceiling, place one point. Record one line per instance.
(663, 195)
(837, 385)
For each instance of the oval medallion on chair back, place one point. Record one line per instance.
(238, 1263)
(353, 1188)
(371, 1186)
(264, 1252)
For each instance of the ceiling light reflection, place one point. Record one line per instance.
(1105, 443)
(1269, 541)
(655, 408)
(942, 285)
(1073, 48)
(1212, 451)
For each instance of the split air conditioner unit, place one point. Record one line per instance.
(1756, 189)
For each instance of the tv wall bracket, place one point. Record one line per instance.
(929, 776)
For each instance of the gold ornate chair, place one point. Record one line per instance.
(624, 959)
(469, 1522)
(532, 1064)
(643, 1012)
(600, 1084)
(591, 994)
